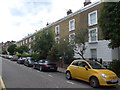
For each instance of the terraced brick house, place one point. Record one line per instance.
(84, 18)
(27, 41)
(6, 45)
(0, 48)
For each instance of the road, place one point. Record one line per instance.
(19, 76)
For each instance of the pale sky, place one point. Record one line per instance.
(18, 18)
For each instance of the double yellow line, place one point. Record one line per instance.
(2, 83)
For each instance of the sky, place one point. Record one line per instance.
(18, 18)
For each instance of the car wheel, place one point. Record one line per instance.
(55, 70)
(94, 82)
(27, 64)
(34, 66)
(17, 62)
(68, 75)
(40, 68)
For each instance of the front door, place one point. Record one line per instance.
(82, 73)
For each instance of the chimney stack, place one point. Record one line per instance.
(87, 2)
(69, 11)
(47, 24)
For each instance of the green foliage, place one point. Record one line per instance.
(43, 43)
(22, 49)
(26, 55)
(61, 52)
(109, 22)
(54, 54)
(66, 51)
(36, 56)
(18, 54)
(4, 52)
(115, 66)
(80, 39)
(12, 49)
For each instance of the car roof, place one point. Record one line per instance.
(79, 60)
(84, 60)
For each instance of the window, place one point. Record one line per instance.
(21, 43)
(75, 63)
(29, 39)
(57, 40)
(92, 18)
(26, 40)
(82, 64)
(93, 53)
(93, 35)
(72, 25)
(29, 45)
(57, 30)
(72, 38)
(33, 37)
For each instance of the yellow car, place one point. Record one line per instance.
(91, 72)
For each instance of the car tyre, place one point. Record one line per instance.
(40, 68)
(34, 66)
(94, 82)
(68, 75)
(17, 62)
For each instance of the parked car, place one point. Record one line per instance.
(91, 72)
(21, 60)
(14, 58)
(29, 61)
(6, 56)
(10, 57)
(45, 65)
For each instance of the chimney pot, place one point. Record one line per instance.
(69, 11)
(87, 2)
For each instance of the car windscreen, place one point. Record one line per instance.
(96, 65)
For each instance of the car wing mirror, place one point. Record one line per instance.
(106, 66)
(86, 67)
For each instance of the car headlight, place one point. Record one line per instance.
(104, 75)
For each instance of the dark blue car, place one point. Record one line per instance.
(45, 65)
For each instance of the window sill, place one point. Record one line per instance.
(94, 42)
(92, 24)
(71, 30)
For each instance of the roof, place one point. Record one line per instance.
(68, 16)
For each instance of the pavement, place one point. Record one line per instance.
(0, 87)
(63, 70)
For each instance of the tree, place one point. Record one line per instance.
(54, 54)
(115, 66)
(109, 22)
(66, 51)
(43, 43)
(80, 42)
(22, 49)
(12, 49)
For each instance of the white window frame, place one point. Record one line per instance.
(57, 39)
(21, 43)
(33, 37)
(73, 28)
(70, 39)
(30, 39)
(29, 46)
(89, 18)
(57, 31)
(26, 41)
(90, 34)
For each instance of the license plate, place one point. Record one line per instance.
(51, 67)
(114, 81)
